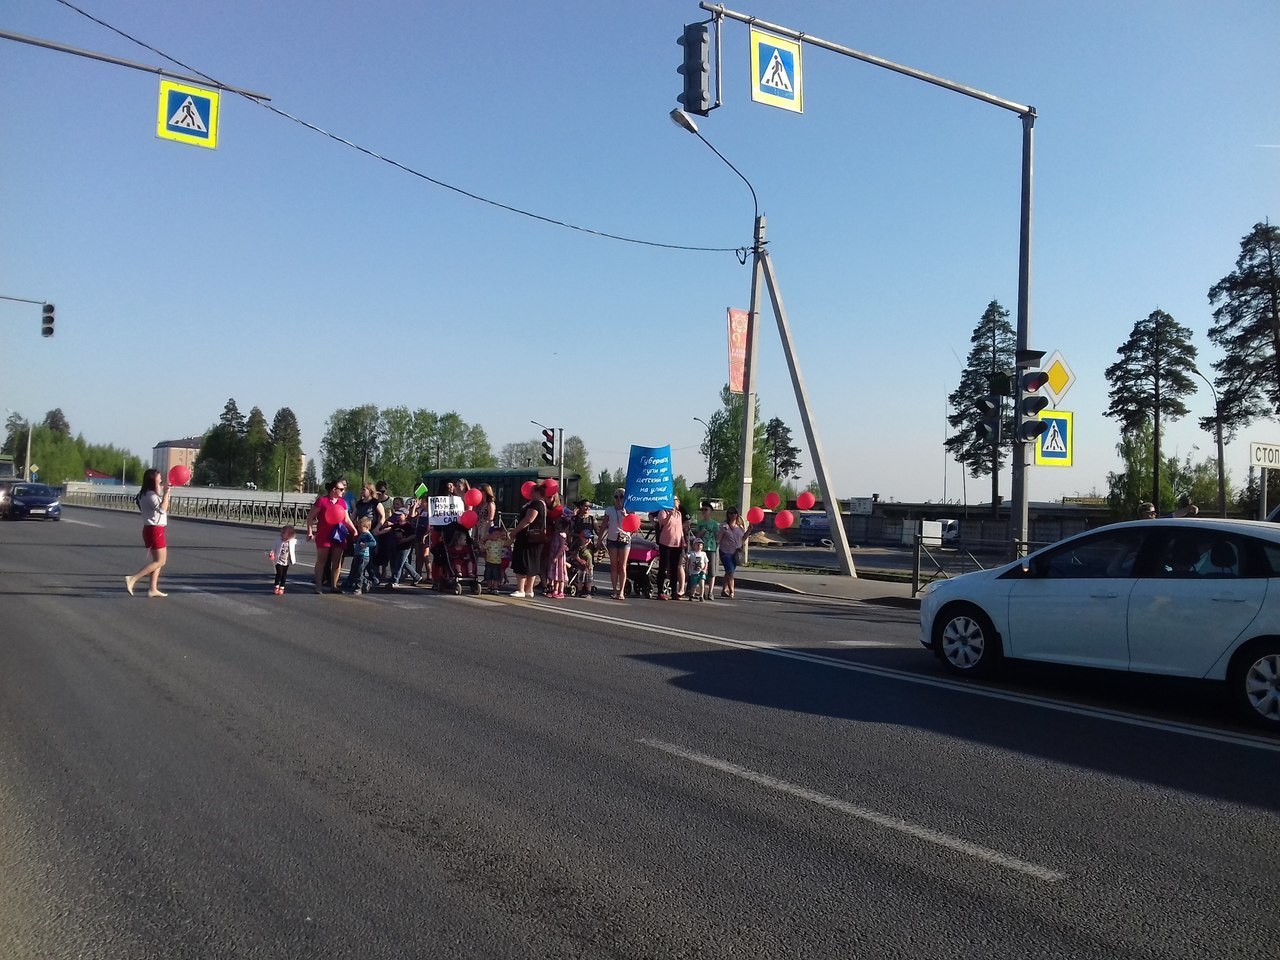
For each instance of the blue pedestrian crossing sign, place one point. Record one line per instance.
(776, 71)
(1056, 446)
(188, 114)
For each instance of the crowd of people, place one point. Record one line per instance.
(550, 547)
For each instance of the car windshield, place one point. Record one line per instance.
(32, 490)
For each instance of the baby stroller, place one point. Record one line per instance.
(454, 564)
(642, 569)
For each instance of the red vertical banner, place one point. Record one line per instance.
(738, 322)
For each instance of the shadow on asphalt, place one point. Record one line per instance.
(1224, 771)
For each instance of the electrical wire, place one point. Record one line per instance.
(738, 251)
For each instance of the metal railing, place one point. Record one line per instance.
(263, 513)
(932, 561)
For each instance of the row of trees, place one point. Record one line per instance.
(62, 457)
(1149, 382)
(238, 450)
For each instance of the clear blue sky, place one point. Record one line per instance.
(286, 269)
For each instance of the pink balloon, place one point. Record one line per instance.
(784, 519)
(179, 475)
(755, 515)
(469, 518)
(551, 487)
(334, 513)
(805, 501)
(526, 489)
(631, 522)
(473, 497)
(771, 500)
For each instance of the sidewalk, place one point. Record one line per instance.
(860, 589)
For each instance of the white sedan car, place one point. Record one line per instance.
(1183, 598)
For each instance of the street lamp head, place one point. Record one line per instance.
(682, 119)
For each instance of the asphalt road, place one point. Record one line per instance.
(225, 773)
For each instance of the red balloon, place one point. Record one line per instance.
(334, 513)
(771, 500)
(551, 487)
(805, 501)
(473, 497)
(179, 475)
(526, 489)
(555, 513)
(631, 522)
(784, 519)
(469, 518)
(755, 515)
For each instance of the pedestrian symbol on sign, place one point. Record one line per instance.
(186, 117)
(775, 76)
(1053, 442)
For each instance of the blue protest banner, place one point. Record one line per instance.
(650, 483)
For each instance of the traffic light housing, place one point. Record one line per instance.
(696, 69)
(1030, 403)
(989, 426)
(46, 320)
(549, 446)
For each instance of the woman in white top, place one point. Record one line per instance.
(617, 541)
(154, 508)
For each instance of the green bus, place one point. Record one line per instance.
(506, 484)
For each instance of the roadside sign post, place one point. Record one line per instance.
(1264, 456)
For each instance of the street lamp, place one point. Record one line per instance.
(711, 453)
(1217, 431)
(762, 275)
(747, 448)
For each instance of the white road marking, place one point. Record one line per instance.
(81, 523)
(218, 599)
(959, 686)
(865, 644)
(915, 830)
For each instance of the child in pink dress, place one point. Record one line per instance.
(558, 559)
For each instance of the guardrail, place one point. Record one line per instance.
(952, 561)
(263, 513)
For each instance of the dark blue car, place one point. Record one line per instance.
(36, 501)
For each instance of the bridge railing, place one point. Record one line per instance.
(262, 513)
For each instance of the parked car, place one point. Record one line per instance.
(1174, 597)
(34, 500)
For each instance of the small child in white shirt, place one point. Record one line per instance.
(284, 556)
(698, 561)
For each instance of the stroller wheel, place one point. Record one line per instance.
(573, 590)
(457, 589)
(475, 587)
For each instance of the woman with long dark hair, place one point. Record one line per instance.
(154, 507)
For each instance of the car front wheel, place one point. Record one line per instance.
(1255, 683)
(966, 641)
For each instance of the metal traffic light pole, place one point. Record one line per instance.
(1028, 116)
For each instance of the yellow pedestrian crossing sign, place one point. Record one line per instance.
(1056, 446)
(188, 114)
(776, 71)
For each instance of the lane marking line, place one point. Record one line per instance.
(80, 523)
(941, 683)
(919, 832)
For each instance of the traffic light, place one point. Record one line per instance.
(549, 446)
(696, 69)
(46, 320)
(989, 426)
(1030, 403)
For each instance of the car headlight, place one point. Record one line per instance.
(56, 503)
(18, 503)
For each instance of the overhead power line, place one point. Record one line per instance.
(396, 163)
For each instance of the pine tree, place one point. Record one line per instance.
(991, 359)
(1247, 329)
(1150, 379)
